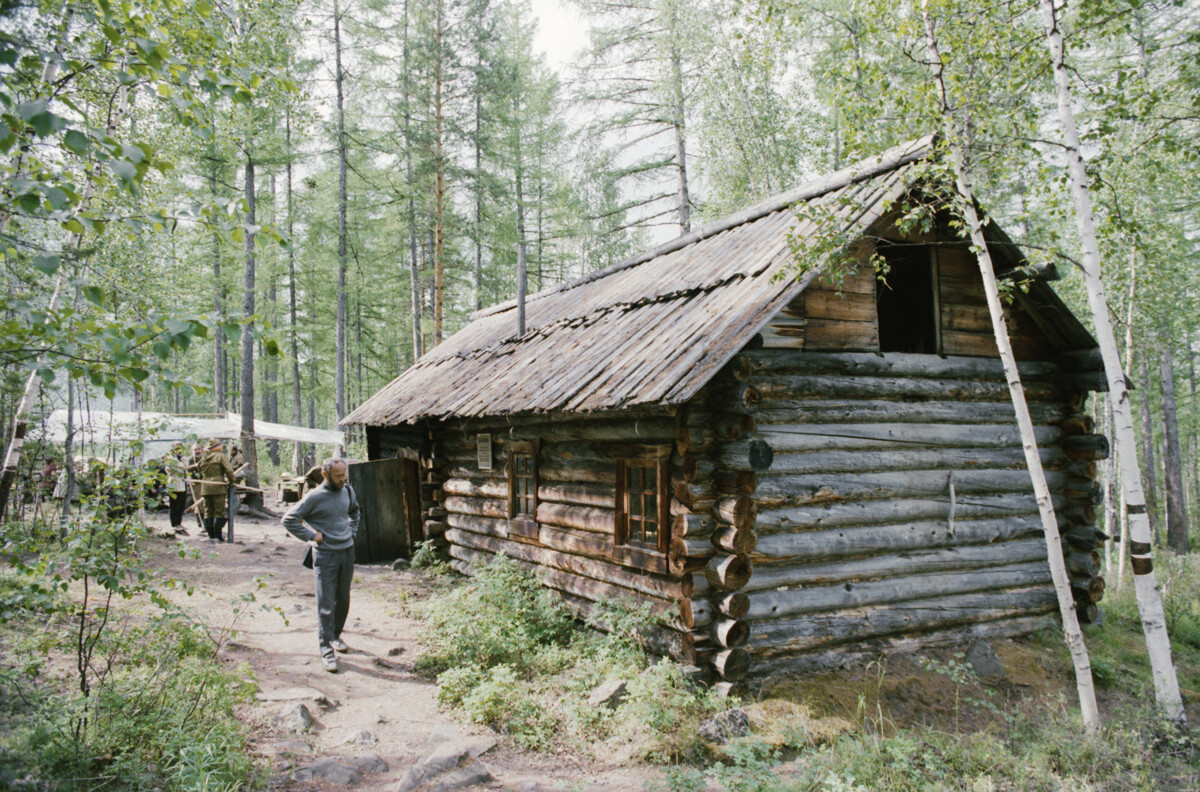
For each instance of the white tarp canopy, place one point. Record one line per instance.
(160, 430)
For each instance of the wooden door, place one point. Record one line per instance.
(389, 497)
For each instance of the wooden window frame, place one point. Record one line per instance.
(645, 457)
(522, 525)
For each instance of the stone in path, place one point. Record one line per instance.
(448, 767)
(367, 763)
(329, 770)
(294, 718)
(294, 694)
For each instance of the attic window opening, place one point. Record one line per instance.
(906, 301)
(643, 515)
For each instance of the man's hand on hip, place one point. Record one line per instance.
(318, 537)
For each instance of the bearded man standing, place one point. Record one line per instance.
(331, 514)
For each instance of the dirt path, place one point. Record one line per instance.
(376, 690)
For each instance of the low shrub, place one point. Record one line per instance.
(508, 654)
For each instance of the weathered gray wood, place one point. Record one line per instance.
(696, 469)
(739, 541)
(728, 572)
(584, 518)
(735, 605)
(694, 440)
(694, 585)
(692, 525)
(696, 613)
(820, 488)
(555, 470)
(782, 604)
(731, 482)
(791, 438)
(732, 664)
(881, 460)
(771, 572)
(1086, 447)
(595, 578)
(895, 364)
(481, 525)
(859, 654)
(753, 455)
(730, 633)
(434, 529)
(697, 497)
(831, 515)
(481, 507)
(476, 488)
(821, 630)
(868, 410)
(734, 511)
(783, 391)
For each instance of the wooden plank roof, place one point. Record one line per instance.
(651, 330)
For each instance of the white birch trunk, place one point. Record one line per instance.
(1058, 571)
(1166, 687)
(1124, 514)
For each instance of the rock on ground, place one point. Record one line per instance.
(330, 770)
(610, 694)
(449, 766)
(724, 726)
(985, 662)
(294, 718)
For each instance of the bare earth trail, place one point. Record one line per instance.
(376, 690)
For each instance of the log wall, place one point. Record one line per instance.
(882, 501)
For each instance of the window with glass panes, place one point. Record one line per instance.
(642, 503)
(524, 486)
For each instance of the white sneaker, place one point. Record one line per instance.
(330, 663)
(339, 645)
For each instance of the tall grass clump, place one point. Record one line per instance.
(509, 654)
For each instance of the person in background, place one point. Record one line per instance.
(331, 514)
(176, 470)
(215, 471)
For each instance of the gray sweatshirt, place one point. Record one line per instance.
(332, 512)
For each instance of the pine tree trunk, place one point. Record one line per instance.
(478, 230)
(339, 78)
(249, 445)
(1166, 686)
(1177, 527)
(439, 174)
(293, 325)
(220, 386)
(64, 517)
(414, 262)
(677, 121)
(1058, 570)
(522, 275)
(1150, 468)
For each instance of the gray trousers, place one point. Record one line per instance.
(333, 569)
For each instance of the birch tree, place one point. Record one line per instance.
(1158, 644)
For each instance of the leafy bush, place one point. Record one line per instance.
(508, 654)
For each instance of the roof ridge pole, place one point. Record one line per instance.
(1085, 687)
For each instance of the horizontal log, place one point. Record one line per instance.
(751, 456)
(880, 460)
(584, 518)
(827, 411)
(735, 605)
(822, 630)
(895, 364)
(859, 654)
(1083, 565)
(735, 482)
(730, 633)
(1076, 513)
(490, 526)
(1088, 491)
(697, 497)
(692, 525)
(578, 494)
(696, 613)
(696, 469)
(820, 488)
(476, 488)
(554, 470)
(693, 547)
(732, 511)
(1086, 447)
(791, 438)
(800, 570)
(694, 585)
(781, 390)
(694, 439)
(469, 470)
(728, 572)
(732, 664)
(434, 528)
(727, 427)
(1090, 590)
(1082, 470)
(782, 604)
(739, 541)
(1078, 424)
(1084, 538)
(1088, 612)
(621, 581)
(576, 542)
(884, 512)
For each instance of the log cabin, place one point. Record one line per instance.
(797, 471)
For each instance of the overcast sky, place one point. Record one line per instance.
(561, 31)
